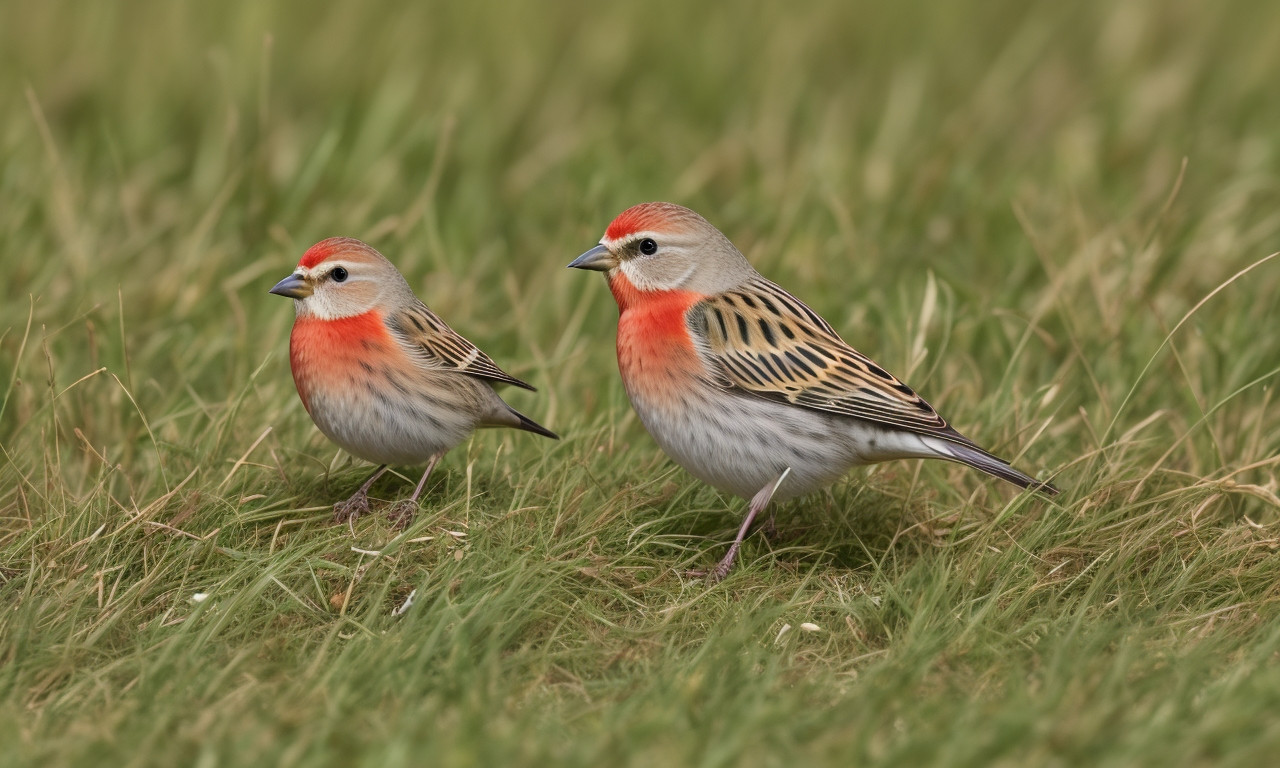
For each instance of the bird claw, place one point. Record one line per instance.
(401, 514)
(712, 576)
(351, 509)
(717, 574)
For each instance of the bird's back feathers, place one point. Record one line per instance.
(439, 347)
(763, 341)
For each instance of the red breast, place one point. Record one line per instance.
(331, 352)
(654, 345)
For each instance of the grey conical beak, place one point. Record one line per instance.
(598, 259)
(293, 287)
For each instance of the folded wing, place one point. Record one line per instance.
(439, 347)
(762, 340)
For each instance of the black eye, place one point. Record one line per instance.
(648, 246)
(338, 274)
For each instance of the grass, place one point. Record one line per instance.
(1033, 213)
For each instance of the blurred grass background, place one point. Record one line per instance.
(1011, 205)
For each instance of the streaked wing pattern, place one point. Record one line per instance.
(442, 348)
(767, 342)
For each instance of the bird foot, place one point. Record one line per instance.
(401, 513)
(717, 574)
(351, 509)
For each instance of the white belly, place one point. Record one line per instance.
(740, 443)
(388, 430)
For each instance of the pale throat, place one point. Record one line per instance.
(328, 303)
(635, 274)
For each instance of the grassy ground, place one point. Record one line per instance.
(1032, 212)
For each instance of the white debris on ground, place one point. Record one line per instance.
(408, 601)
(808, 626)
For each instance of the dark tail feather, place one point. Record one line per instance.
(980, 459)
(529, 425)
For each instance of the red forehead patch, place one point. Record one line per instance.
(645, 216)
(324, 249)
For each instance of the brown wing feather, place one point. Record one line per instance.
(442, 348)
(764, 341)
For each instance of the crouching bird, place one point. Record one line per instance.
(380, 374)
(743, 385)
